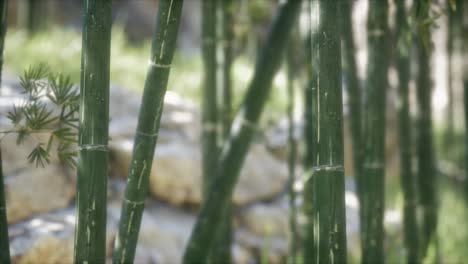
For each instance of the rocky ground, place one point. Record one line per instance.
(40, 201)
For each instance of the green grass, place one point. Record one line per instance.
(61, 49)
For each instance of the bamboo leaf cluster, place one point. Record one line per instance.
(49, 110)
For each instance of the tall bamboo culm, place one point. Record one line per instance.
(292, 147)
(372, 185)
(4, 242)
(353, 88)
(219, 193)
(426, 160)
(327, 178)
(310, 138)
(408, 180)
(210, 119)
(159, 65)
(90, 231)
(464, 39)
(221, 250)
(451, 35)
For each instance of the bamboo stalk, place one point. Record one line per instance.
(4, 242)
(310, 121)
(449, 129)
(292, 148)
(90, 232)
(210, 122)
(244, 126)
(372, 185)
(353, 88)
(464, 39)
(426, 159)
(408, 181)
(162, 51)
(326, 186)
(221, 250)
(227, 41)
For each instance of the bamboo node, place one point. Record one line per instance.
(158, 65)
(376, 33)
(210, 127)
(147, 134)
(94, 147)
(374, 165)
(328, 168)
(242, 122)
(133, 202)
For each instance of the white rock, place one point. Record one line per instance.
(176, 174)
(37, 190)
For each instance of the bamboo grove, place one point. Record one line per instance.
(316, 42)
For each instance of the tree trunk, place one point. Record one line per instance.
(408, 181)
(218, 196)
(162, 51)
(372, 185)
(90, 232)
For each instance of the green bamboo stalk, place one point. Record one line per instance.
(244, 126)
(292, 148)
(227, 22)
(310, 138)
(465, 103)
(327, 179)
(31, 14)
(353, 87)
(372, 184)
(408, 181)
(4, 242)
(464, 39)
(90, 232)
(426, 159)
(449, 130)
(210, 122)
(162, 51)
(221, 249)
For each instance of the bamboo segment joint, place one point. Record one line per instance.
(147, 134)
(374, 165)
(242, 122)
(376, 32)
(211, 127)
(94, 147)
(134, 202)
(158, 65)
(328, 168)
(207, 40)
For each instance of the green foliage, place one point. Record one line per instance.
(50, 108)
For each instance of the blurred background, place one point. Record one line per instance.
(40, 201)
